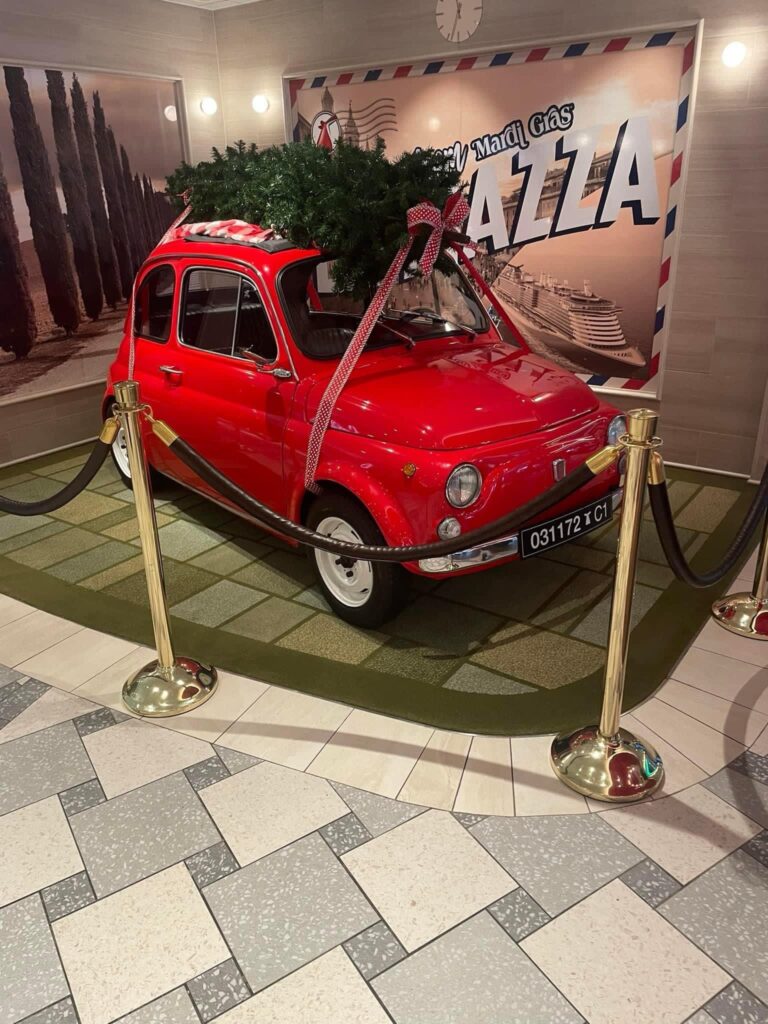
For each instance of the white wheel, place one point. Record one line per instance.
(349, 580)
(120, 454)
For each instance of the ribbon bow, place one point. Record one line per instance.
(455, 212)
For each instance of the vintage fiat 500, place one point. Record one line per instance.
(442, 427)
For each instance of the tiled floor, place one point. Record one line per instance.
(275, 858)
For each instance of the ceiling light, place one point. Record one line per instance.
(208, 105)
(260, 104)
(733, 54)
(170, 113)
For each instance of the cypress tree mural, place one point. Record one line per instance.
(149, 202)
(114, 202)
(73, 187)
(125, 199)
(110, 273)
(131, 209)
(138, 194)
(45, 215)
(18, 327)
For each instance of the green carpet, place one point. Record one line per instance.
(515, 650)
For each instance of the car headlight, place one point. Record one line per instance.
(463, 485)
(616, 428)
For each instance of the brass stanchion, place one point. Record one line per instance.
(605, 761)
(169, 685)
(747, 614)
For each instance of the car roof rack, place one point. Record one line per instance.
(266, 245)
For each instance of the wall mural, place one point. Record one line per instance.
(83, 162)
(573, 169)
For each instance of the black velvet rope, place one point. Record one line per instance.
(67, 493)
(662, 514)
(379, 553)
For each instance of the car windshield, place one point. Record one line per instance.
(418, 309)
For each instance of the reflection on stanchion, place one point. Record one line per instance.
(604, 761)
(747, 614)
(169, 685)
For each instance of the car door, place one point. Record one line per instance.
(229, 388)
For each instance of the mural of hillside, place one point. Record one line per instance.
(83, 162)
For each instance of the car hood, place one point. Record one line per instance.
(464, 395)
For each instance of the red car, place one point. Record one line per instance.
(441, 428)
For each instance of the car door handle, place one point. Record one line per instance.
(173, 372)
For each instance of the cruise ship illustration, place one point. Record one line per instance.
(566, 318)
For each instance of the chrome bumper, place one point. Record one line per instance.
(483, 554)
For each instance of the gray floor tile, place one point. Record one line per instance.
(553, 858)
(135, 835)
(205, 773)
(235, 760)
(218, 990)
(743, 791)
(17, 696)
(62, 1012)
(287, 908)
(702, 1017)
(753, 765)
(81, 797)
(468, 820)
(757, 847)
(41, 764)
(174, 1008)
(374, 950)
(345, 834)
(734, 1005)
(651, 882)
(212, 864)
(94, 721)
(725, 912)
(518, 914)
(67, 896)
(474, 974)
(31, 977)
(377, 813)
(8, 675)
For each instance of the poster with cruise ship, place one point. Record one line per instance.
(568, 155)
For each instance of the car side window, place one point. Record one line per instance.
(153, 304)
(223, 312)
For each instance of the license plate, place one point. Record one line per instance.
(543, 536)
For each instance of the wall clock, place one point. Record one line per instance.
(457, 20)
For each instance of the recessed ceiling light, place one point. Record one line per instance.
(208, 105)
(733, 54)
(260, 104)
(170, 112)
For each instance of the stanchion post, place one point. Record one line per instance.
(605, 761)
(747, 614)
(169, 685)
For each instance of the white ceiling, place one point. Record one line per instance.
(211, 5)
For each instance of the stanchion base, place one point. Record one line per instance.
(154, 693)
(742, 614)
(617, 770)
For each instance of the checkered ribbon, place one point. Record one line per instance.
(237, 230)
(454, 214)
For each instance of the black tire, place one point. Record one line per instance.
(388, 581)
(155, 478)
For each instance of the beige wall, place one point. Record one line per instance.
(718, 347)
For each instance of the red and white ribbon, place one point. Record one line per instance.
(454, 214)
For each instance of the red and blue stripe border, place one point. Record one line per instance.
(684, 38)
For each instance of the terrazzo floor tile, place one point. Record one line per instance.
(53, 707)
(735, 1005)
(212, 864)
(94, 721)
(269, 619)
(486, 783)
(62, 1012)
(174, 1008)
(377, 813)
(31, 634)
(17, 696)
(702, 1017)
(685, 833)
(345, 834)
(704, 746)
(518, 914)
(740, 723)
(426, 876)
(286, 727)
(754, 766)
(31, 977)
(286, 804)
(372, 752)
(218, 990)
(38, 849)
(327, 636)
(650, 882)
(374, 950)
(67, 896)
(68, 663)
(473, 975)
(748, 795)
(287, 909)
(758, 848)
(41, 764)
(147, 940)
(725, 912)
(81, 797)
(205, 773)
(606, 986)
(235, 760)
(553, 858)
(142, 832)
(218, 603)
(329, 989)
(435, 777)
(134, 753)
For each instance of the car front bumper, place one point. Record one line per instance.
(486, 554)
